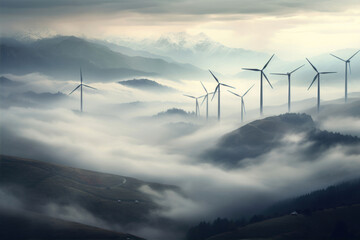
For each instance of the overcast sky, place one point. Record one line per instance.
(287, 27)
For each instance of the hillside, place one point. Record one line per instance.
(320, 214)
(41, 227)
(62, 56)
(32, 99)
(146, 85)
(6, 82)
(108, 197)
(339, 223)
(262, 136)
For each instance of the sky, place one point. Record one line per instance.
(290, 28)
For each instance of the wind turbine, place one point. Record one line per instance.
(217, 89)
(347, 62)
(261, 81)
(197, 109)
(289, 83)
(242, 102)
(317, 76)
(81, 90)
(206, 96)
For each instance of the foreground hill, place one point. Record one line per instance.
(264, 135)
(339, 223)
(17, 225)
(330, 213)
(110, 198)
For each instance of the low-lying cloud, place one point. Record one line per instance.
(125, 146)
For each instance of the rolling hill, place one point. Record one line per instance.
(15, 225)
(110, 198)
(262, 136)
(147, 85)
(330, 213)
(338, 223)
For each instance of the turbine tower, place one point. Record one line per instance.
(261, 81)
(347, 63)
(317, 76)
(197, 109)
(206, 96)
(289, 83)
(242, 102)
(81, 85)
(217, 89)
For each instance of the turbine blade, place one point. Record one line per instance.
(337, 57)
(326, 72)
(252, 69)
(206, 96)
(248, 90)
(81, 76)
(283, 74)
(227, 85)
(216, 89)
(204, 87)
(75, 89)
(312, 66)
(268, 62)
(313, 81)
(214, 76)
(267, 79)
(89, 86)
(297, 68)
(234, 93)
(353, 55)
(189, 96)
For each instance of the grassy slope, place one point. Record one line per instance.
(26, 225)
(40, 183)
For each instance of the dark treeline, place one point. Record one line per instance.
(334, 196)
(205, 230)
(344, 194)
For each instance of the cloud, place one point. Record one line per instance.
(107, 141)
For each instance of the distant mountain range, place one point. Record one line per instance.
(147, 85)
(201, 51)
(174, 56)
(62, 57)
(198, 50)
(262, 136)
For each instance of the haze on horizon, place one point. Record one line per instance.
(292, 30)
